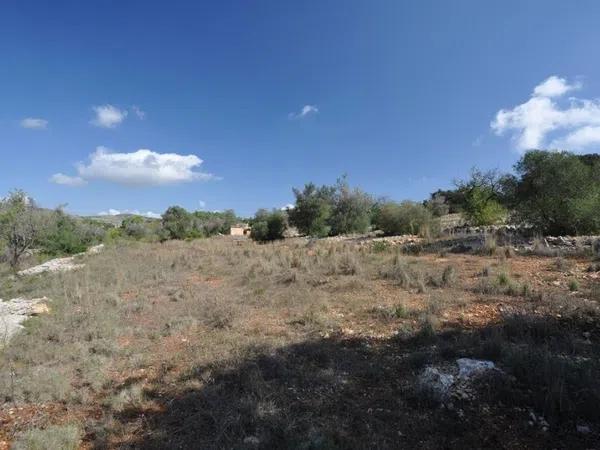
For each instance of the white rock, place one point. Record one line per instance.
(95, 249)
(16, 311)
(435, 381)
(584, 429)
(61, 264)
(54, 265)
(467, 367)
(251, 440)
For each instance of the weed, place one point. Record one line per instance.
(380, 246)
(55, 437)
(573, 285)
(428, 327)
(563, 264)
(490, 245)
(129, 397)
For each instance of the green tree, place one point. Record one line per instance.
(63, 234)
(134, 226)
(351, 209)
(482, 198)
(20, 225)
(208, 223)
(268, 226)
(312, 210)
(452, 199)
(176, 222)
(557, 192)
(438, 205)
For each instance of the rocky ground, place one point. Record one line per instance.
(16, 311)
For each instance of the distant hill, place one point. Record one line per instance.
(117, 219)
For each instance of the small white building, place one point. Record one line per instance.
(240, 229)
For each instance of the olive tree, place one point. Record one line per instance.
(20, 225)
(268, 226)
(176, 222)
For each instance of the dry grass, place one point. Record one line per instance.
(228, 344)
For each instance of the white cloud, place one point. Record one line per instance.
(108, 116)
(305, 111)
(580, 138)
(116, 212)
(34, 124)
(554, 87)
(573, 122)
(288, 206)
(202, 204)
(143, 168)
(67, 180)
(110, 212)
(138, 112)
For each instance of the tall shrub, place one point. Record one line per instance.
(268, 226)
(176, 222)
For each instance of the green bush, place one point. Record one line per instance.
(351, 209)
(176, 222)
(312, 210)
(67, 235)
(208, 223)
(134, 227)
(268, 226)
(331, 210)
(557, 192)
(482, 198)
(405, 218)
(437, 204)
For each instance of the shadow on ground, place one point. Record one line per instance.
(360, 393)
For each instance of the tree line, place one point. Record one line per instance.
(24, 226)
(556, 193)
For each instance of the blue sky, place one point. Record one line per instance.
(111, 105)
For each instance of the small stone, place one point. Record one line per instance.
(436, 382)
(251, 440)
(583, 429)
(468, 367)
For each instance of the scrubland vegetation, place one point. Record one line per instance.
(226, 344)
(176, 337)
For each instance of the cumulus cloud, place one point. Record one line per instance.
(116, 212)
(580, 138)
(201, 204)
(34, 124)
(108, 116)
(554, 87)
(306, 110)
(573, 123)
(143, 168)
(66, 180)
